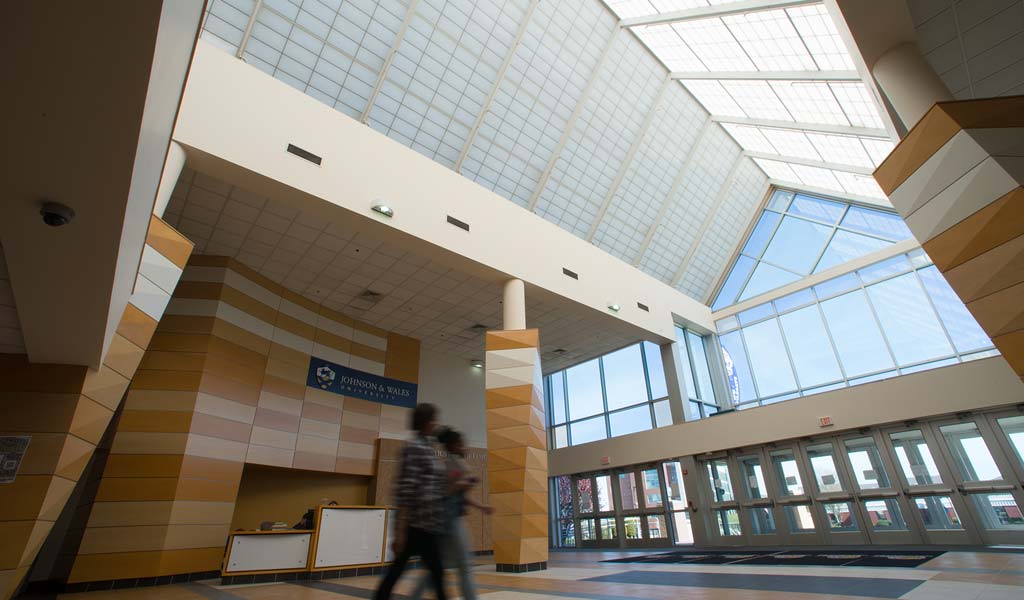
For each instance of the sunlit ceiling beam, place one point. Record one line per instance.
(709, 218)
(571, 123)
(841, 195)
(628, 160)
(410, 12)
(869, 132)
(496, 85)
(768, 75)
(811, 163)
(719, 10)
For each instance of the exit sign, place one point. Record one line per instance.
(825, 421)
(605, 460)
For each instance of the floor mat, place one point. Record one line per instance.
(818, 558)
(842, 586)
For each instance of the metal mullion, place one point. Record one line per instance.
(831, 340)
(604, 398)
(716, 289)
(248, 29)
(938, 317)
(647, 381)
(789, 354)
(874, 314)
(753, 380)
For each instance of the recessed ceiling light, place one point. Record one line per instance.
(384, 209)
(477, 363)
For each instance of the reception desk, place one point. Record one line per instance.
(344, 540)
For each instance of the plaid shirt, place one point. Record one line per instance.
(420, 490)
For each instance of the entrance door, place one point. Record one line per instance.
(679, 512)
(937, 509)
(794, 517)
(724, 508)
(757, 505)
(596, 524)
(844, 524)
(879, 503)
(985, 476)
(642, 509)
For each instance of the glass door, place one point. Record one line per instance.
(985, 476)
(642, 508)
(679, 512)
(757, 504)
(596, 524)
(795, 519)
(724, 508)
(833, 496)
(880, 505)
(936, 510)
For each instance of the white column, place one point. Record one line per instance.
(909, 82)
(672, 364)
(514, 305)
(172, 170)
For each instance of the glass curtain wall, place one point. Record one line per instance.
(798, 235)
(615, 394)
(895, 317)
(624, 392)
(693, 352)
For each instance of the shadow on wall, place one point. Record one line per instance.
(276, 494)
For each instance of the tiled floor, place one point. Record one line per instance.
(582, 576)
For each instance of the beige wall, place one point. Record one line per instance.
(970, 386)
(457, 388)
(359, 168)
(273, 494)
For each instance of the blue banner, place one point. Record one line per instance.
(337, 379)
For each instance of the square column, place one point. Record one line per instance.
(517, 460)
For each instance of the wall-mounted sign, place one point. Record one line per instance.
(12, 450)
(825, 421)
(337, 379)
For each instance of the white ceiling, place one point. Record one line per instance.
(976, 46)
(550, 104)
(336, 262)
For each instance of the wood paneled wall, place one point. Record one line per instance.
(66, 409)
(223, 383)
(957, 180)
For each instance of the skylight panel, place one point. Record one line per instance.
(750, 138)
(770, 40)
(714, 97)
(854, 183)
(666, 44)
(823, 178)
(791, 143)
(810, 102)
(819, 33)
(877, 149)
(857, 103)
(841, 149)
(777, 170)
(665, 6)
(757, 100)
(714, 44)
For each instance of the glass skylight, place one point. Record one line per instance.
(800, 234)
(775, 41)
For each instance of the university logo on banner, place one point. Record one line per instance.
(345, 381)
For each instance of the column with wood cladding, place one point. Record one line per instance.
(64, 410)
(224, 383)
(957, 181)
(517, 450)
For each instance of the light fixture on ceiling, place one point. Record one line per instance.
(384, 209)
(476, 363)
(613, 307)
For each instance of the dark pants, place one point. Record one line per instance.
(417, 543)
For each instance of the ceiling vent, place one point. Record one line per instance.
(366, 300)
(569, 273)
(304, 154)
(460, 224)
(479, 328)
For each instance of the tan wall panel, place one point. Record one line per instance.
(201, 467)
(996, 224)
(105, 386)
(289, 371)
(222, 428)
(136, 326)
(173, 361)
(160, 400)
(241, 337)
(134, 442)
(115, 489)
(403, 358)
(288, 355)
(123, 514)
(123, 356)
(168, 242)
(185, 381)
(244, 392)
(179, 342)
(283, 387)
(142, 465)
(157, 421)
(206, 490)
(17, 411)
(19, 375)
